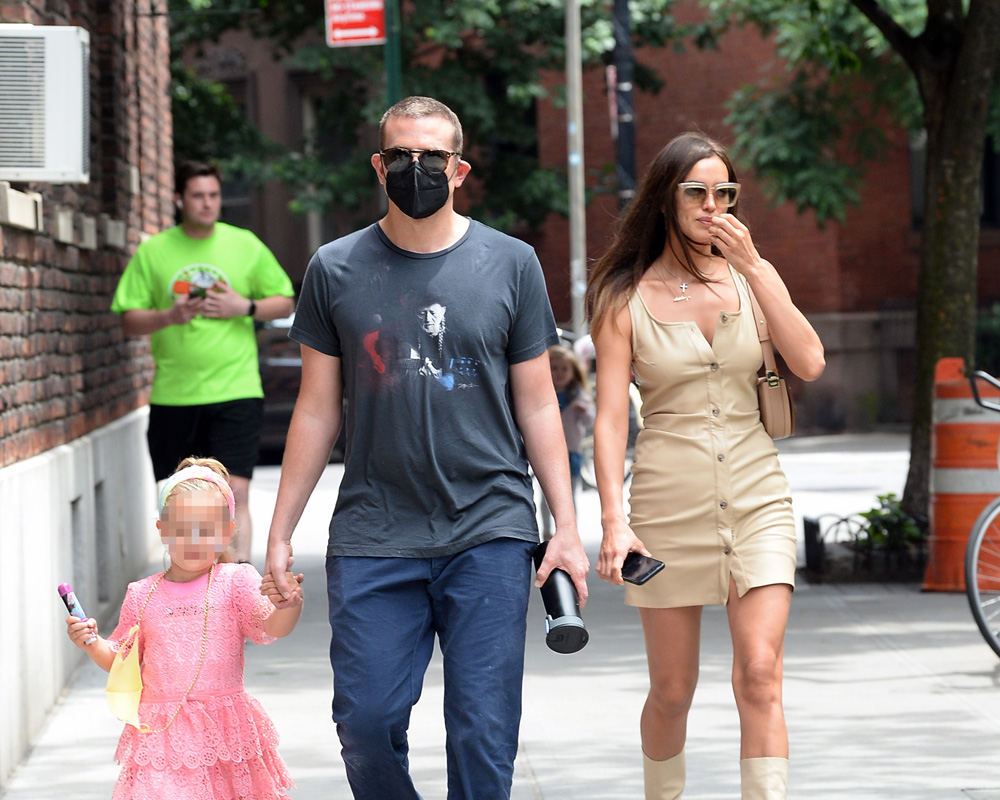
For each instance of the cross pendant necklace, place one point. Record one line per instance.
(683, 284)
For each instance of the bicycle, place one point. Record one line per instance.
(982, 556)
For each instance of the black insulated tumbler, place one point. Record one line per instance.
(564, 628)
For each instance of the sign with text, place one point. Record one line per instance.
(355, 22)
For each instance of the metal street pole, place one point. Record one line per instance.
(574, 146)
(624, 71)
(393, 57)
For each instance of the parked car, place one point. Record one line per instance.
(280, 373)
(280, 363)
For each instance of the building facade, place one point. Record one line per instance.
(76, 489)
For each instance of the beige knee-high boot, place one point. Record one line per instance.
(764, 778)
(664, 779)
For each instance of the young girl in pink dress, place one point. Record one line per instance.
(202, 737)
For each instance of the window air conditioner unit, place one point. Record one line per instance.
(44, 103)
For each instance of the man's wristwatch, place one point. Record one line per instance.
(253, 308)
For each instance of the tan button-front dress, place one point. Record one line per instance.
(708, 496)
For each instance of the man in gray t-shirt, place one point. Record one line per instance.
(435, 328)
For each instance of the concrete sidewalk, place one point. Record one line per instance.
(889, 692)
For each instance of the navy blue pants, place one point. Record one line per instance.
(384, 614)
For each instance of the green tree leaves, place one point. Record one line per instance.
(818, 111)
(484, 58)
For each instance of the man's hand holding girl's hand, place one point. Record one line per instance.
(269, 588)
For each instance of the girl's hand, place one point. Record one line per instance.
(81, 631)
(733, 239)
(269, 588)
(618, 542)
(286, 609)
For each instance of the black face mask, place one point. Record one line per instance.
(417, 192)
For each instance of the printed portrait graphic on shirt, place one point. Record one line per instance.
(420, 346)
(436, 351)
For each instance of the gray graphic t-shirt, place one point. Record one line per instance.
(434, 462)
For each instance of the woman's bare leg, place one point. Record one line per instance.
(757, 623)
(673, 638)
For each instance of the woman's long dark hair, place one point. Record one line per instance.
(648, 225)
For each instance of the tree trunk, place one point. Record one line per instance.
(955, 82)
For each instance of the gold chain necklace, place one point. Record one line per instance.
(201, 657)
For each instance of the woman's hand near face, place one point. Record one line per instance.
(733, 240)
(791, 332)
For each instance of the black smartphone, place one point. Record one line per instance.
(638, 568)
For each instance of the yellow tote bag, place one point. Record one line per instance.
(124, 687)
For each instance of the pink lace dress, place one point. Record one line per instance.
(221, 745)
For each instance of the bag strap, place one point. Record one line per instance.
(132, 637)
(767, 348)
(148, 596)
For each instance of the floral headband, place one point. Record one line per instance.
(197, 472)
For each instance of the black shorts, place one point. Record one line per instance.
(227, 431)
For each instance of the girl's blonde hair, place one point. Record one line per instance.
(558, 352)
(201, 484)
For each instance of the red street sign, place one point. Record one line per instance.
(354, 22)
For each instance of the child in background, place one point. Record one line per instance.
(577, 410)
(206, 737)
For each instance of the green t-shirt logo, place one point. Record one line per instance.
(196, 279)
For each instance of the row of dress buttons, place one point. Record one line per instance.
(714, 366)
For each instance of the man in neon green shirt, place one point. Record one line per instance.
(196, 290)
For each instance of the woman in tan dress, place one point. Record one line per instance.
(670, 303)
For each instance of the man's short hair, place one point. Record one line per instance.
(194, 169)
(416, 107)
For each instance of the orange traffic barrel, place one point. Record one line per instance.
(965, 440)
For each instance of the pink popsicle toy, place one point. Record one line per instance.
(73, 606)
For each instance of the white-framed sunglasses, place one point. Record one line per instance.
(695, 193)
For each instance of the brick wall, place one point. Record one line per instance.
(65, 367)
